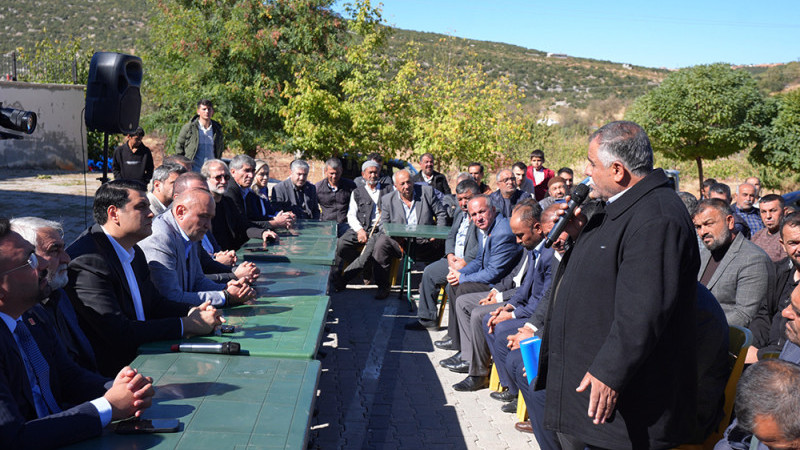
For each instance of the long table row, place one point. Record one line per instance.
(263, 397)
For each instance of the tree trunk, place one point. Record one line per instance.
(700, 174)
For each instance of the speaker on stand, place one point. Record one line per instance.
(113, 102)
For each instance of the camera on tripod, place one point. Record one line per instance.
(17, 120)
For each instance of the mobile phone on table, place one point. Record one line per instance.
(147, 426)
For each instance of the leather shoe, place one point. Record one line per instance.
(451, 360)
(510, 407)
(472, 383)
(445, 344)
(524, 427)
(505, 396)
(459, 367)
(382, 293)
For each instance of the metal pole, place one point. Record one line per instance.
(104, 179)
(74, 70)
(14, 65)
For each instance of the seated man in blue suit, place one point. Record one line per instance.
(498, 255)
(173, 254)
(39, 383)
(527, 231)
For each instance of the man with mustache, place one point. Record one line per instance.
(745, 199)
(734, 269)
(48, 238)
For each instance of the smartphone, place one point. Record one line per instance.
(227, 328)
(147, 426)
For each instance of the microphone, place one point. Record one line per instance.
(578, 196)
(225, 348)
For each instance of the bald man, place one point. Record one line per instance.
(173, 249)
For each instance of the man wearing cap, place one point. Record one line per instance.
(362, 217)
(556, 190)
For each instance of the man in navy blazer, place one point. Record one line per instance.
(527, 230)
(74, 404)
(117, 315)
(498, 255)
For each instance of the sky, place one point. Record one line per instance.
(672, 33)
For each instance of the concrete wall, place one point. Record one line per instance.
(59, 141)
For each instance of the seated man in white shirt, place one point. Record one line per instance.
(46, 400)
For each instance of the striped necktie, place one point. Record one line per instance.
(43, 399)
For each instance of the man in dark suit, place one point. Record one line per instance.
(429, 176)
(247, 203)
(109, 282)
(231, 229)
(507, 195)
(333, 195)
(296, 194)
(623, 316)
(47, 237)
(46, 400)
(460, 248)
(413, 204)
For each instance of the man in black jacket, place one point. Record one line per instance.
(427, 175)
(133, 160)
(333, 195)
(623, 314)
(117, 304)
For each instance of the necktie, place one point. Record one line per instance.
(44, 401)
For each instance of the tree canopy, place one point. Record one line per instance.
(703, 112)
(782, 139)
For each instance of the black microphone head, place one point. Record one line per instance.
(580, 193)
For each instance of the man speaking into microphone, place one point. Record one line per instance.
(614, 361)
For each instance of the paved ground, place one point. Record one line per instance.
(381, 385)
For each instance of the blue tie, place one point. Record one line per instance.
(43, 399)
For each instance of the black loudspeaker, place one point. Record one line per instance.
(113, 102)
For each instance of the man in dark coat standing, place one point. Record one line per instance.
(622, 317)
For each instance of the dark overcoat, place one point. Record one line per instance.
(624, 310)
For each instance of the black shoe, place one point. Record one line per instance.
(422, 324)
(451, 360)
(382, 293)
(505, 396)
(510, 407)
(460, 367)
(472, 383)
(445, 344)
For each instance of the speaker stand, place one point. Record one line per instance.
(104, 178)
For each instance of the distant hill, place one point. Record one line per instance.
(555, 84)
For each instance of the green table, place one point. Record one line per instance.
(285, 279)
(304, 249)
(280, 327)
(410, 232)
(310, 227)
(224, 402)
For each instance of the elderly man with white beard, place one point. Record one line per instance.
(48, 238)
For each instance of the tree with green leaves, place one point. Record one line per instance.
(703, 112)
(782, 139)
(244, 55)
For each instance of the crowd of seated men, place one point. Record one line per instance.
(160, 262)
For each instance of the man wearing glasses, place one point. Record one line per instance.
(507, 195)
(38, 381)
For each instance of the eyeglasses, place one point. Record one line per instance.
(33, 263)
(224, 175)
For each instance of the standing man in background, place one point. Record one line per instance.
(133, 160)
(433, 178)
(201, 138)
